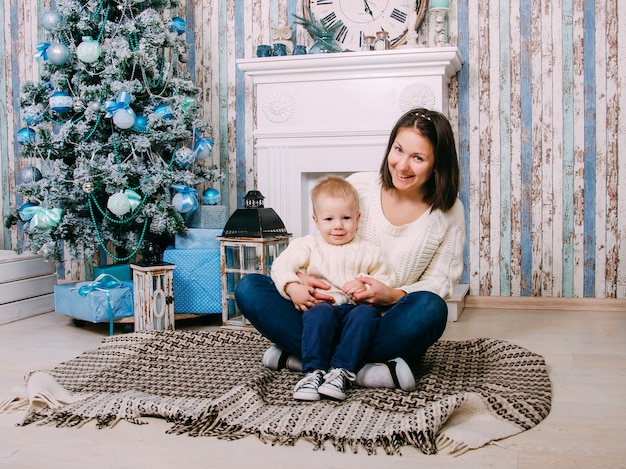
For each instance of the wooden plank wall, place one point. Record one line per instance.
(536, 107)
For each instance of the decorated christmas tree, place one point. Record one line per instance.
(113, 146)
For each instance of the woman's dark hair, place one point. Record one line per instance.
(442, 188)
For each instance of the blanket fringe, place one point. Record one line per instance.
(13, 404)
(451, 446)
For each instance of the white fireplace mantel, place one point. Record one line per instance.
(332, 113)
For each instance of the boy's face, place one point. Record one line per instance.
(337, 219)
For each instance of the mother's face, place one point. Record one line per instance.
(411, 161)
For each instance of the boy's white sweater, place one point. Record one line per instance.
(334, 264)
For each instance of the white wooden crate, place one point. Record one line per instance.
(26, 286)
(456, 302)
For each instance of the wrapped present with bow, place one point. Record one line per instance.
(100, 300)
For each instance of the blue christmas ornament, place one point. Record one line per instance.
(25, 135)
(186, 201)
(61, 102)
(30, 174)
(184, 158)
(164, 111)
(58, 53)
(32, 114)
(211, 196)
(51, 20)
(178, 25)
(26, 211)
(202, 148)
(141, 123)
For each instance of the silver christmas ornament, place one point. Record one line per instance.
(58, 53)
(51, 20)
(88, 187)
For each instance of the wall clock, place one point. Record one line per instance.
(366, 17)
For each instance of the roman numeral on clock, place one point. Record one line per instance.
(341, 35)
(398, 15)
(324, 2)
(329, 19)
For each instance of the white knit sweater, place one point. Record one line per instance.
(334, 264)
(426, 254)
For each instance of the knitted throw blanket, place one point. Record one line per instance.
(212, 383)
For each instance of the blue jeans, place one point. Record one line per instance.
(406, 330)
(337, 336)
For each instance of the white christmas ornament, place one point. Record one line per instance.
(124, 118)
(89, 50)
(119, 204)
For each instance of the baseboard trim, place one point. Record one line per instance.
(533, 303)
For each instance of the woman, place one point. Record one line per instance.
(411, 210)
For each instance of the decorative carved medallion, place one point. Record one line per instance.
(417, 95)
(278, 107)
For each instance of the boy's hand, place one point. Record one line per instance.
(301, 295)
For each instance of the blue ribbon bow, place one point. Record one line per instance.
(122, 102)
(103, 283)
(42, 50)
(41, 217)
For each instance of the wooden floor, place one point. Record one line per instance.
(585, 352)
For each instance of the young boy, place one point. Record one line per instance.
(334, 336)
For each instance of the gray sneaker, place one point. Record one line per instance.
(307, 388)
(336, 382)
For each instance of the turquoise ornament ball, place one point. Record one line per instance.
(30, 174)
(141, 123)
(25, 135)
(211, 196)
(23, 215)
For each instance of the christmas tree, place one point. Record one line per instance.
(114, 143)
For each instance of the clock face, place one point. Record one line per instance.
(366, 17)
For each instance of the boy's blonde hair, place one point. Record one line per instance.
(334, 186)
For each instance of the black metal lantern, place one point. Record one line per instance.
(254, 220)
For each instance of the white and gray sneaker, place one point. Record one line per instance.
(393, 374)
(307, 388)
(276, 358)
(336, 382)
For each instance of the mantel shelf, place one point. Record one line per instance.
(442, 61)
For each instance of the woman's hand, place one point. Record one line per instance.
(317, 284)
(378, 293)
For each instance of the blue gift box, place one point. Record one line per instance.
(197, 284)
(120, 271)
(94, 305)
(208, 216)
(198, 238)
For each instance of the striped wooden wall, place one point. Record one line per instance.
(536, 108)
